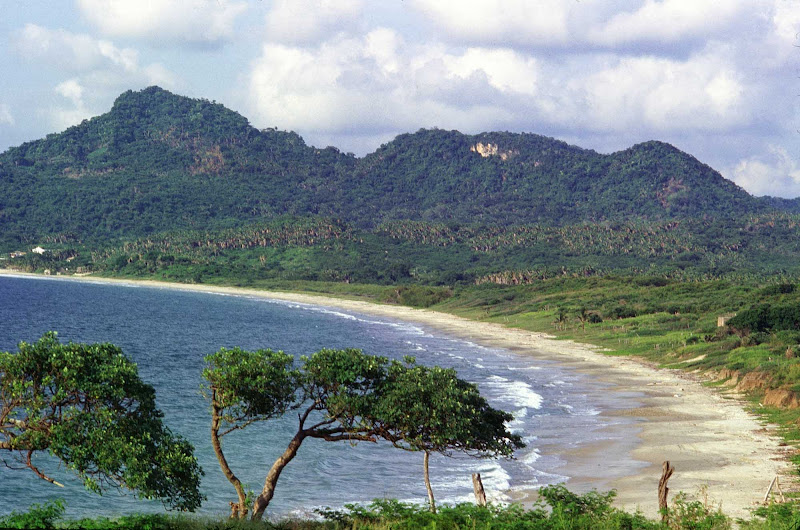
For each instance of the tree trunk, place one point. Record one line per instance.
(477, 486)
(431, 500)
(240, 510)
(663, 490)
(262, 501)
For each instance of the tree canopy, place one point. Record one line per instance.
(86, 405)
(347, 395)
(430, 409)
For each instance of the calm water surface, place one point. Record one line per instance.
(167, 332)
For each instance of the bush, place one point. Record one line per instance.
(766, 317)
(696, 515)
(417, 296)
(785, 515)
(556, 508)
(622, 311)
(38, 516)
(781, 288)
(649, 281)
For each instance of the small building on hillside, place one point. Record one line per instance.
(722, 320)
(39, 250)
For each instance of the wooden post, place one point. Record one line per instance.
(477, 485)
(778, 485)
(769, 490)
(663, 490)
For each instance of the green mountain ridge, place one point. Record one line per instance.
(158, 161)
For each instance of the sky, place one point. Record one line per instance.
(719, 79)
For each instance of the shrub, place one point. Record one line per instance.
(622, 311)
(594, 318)
(783, 515)
(649, 281)
(767, 317)
(418, 296)
(38, 516)
(780, 288)
(696, 515)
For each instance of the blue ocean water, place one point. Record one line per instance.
(168, 332)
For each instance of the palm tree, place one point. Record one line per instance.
(561, 319)
(583, 316)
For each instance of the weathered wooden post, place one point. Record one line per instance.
(663, 490)
(477, 485)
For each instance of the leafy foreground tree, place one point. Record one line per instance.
(247, 387)
(86, 405)
(343, 395)
(432, 410)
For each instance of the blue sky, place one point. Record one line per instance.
(719, 79)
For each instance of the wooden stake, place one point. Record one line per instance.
(477, 485)
(778, 485)
(769, 490)
(663, 490)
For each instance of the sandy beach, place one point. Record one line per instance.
(706, 435)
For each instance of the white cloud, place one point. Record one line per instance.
(381, 83)
(659, 94)
(99, 71)
(500, 21)
(310, 21)
(775, 173)
(665, 27)
(669, 21)
(505, 69)
(196, 22)
(5, 115)
(76, 111)
(71, 51)
(786, 20)
(86, 56)
(72, 90)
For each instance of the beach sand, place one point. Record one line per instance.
(707, 435)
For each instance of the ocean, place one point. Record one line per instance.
(168, 332)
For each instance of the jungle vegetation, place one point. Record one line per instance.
(158, 162)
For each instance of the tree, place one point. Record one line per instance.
(346, 395)
(583, 317)
(561, 319)
(432, 410)
(335, 392)
(86, 405)
(246, 387)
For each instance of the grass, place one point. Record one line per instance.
(558, 508)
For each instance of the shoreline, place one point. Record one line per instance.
(706, 435)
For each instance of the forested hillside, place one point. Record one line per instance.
(160, 162)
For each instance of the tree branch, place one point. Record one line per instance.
(302, 418)
(345, 437)
(239, 426)
(39, 473)
(320, 424)
(341, 434)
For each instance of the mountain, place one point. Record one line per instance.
(514, 178)
(158, 161)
